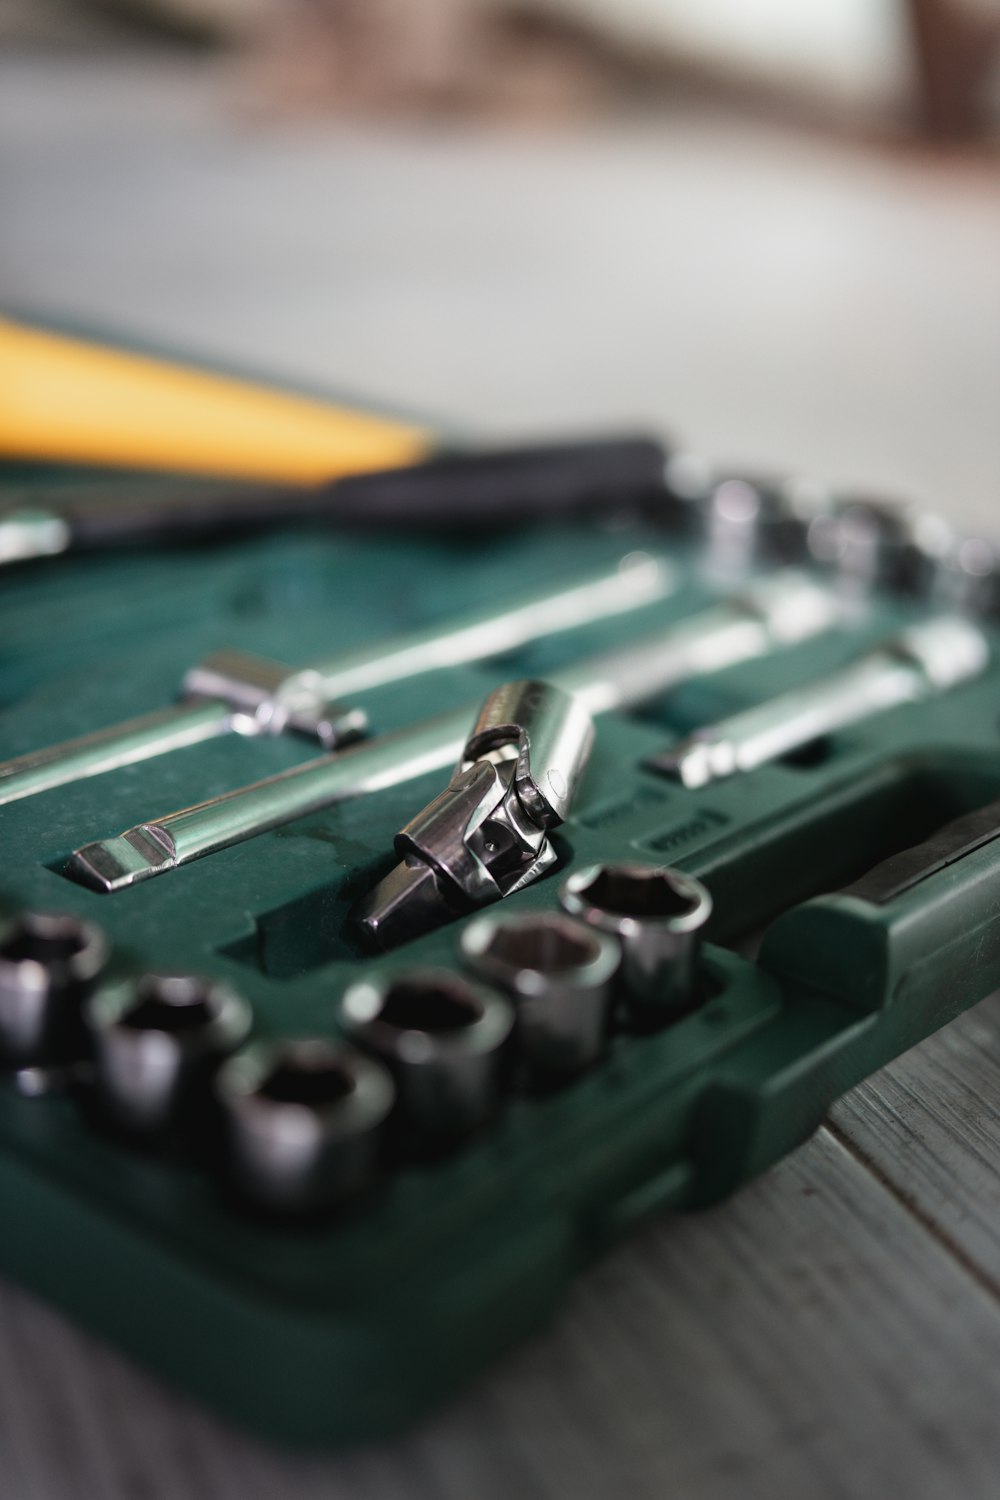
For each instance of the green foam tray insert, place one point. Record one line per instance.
(346, 1330)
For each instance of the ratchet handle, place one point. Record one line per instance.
(451, 490)
(921, 928)
(537, 483)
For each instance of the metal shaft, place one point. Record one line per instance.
(637, 580)
(107, 749)
(918, 663)
(775, 612)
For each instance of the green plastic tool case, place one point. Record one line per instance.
(350, 1329)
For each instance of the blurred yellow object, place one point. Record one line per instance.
(65, 400)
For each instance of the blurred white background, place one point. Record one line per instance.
(773, 291)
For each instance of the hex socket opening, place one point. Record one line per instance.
(315, 1083)
(630, 892)
(44, 939)
(545, 943)
(173, 1003)
(433, 1005)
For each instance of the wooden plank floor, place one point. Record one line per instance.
(835, 1330)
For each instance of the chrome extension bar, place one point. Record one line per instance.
(232, 691)
(777, 611)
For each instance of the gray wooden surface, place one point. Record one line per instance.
(835, 1330)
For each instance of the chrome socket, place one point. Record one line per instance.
(658, 915)
(157, 1039)
(443, 1039)
(303, 1120)
(749, 523)
(48, 965)
(966, 574)
(869, 544)
(559, 975)
(745, 520)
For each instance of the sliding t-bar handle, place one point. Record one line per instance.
(233, 691)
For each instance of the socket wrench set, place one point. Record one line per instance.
(349, 1008)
